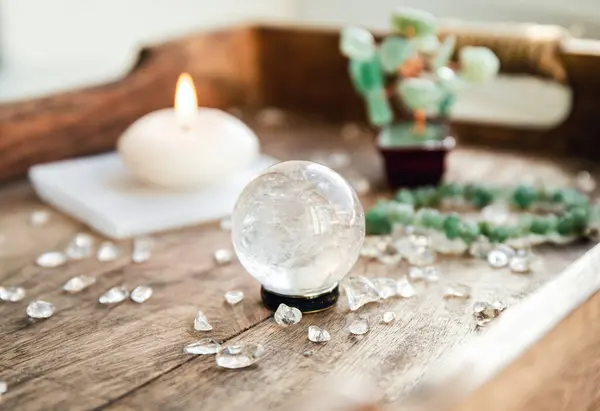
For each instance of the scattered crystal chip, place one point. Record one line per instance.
(114, 295)
(497, 258)
(12, 294)
(422, 256)
(519, 264)
(405, 289)
(480, 248)
(286, 316)
(360, 291)
(40, 309)
(142, 248)
(39, 218)
(239, 355)
(359, 327)
(223, 256)
(318, 335)
(81, 246)
(3, 387)
(308, 353)
(234, 296)
(205, 346)
(455, 290)
(387, 287)
(78, 283)
(107, 251)
(431, 274)
(484, 312)
(201, 322)
(388, 317)
(51, 259)
(141, 293)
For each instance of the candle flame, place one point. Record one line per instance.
(186, 100)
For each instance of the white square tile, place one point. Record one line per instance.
(100, 192)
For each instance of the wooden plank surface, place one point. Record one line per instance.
(129, 357)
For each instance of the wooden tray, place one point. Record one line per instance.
(540, 355)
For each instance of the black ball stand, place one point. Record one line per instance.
(307, 305)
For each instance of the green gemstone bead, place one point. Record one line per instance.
(426, 44)
(430, 218)
(579, 215)
(357, 43)
(412, 22)
(398, 213)
(377, 222)
(543, 224)
(451, 190)
(499, 234)
(452, 226)
(524, 196)
(478, 64)
(469, 231)
(426, 197)
(366, 75)
(565, 226)
(394, 51)
(379, 110)
(405, 196)
(480, 196)
(420, 93)
(569, 197)
(444, 53)
(485, 228)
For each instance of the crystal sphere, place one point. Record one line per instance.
(298, 228)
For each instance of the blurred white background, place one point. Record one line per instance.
(52, 45)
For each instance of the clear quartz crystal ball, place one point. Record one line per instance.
(298, 228)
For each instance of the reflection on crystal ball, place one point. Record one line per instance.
(298, 228)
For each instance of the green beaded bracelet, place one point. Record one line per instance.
(564, 212)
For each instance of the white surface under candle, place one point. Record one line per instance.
(101, 192)
(174, 149)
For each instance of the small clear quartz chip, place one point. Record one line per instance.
(388, 317)
(12, 294)
(40, 309)
(201, 322)
(359, 327)
(81, 246)
(141, 293)
(286, 316)
(205, 346)
(497, 258)
(318, 335)
(78, 283)
(114, 295)
(223, 256)
(455, 290)
(234, 296)
(51, 259)
(239, 355)
(107, 251)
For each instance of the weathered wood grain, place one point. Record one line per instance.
(129, 357)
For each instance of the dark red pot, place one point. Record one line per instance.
(416, 165)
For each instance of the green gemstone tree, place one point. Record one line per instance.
(414, 67)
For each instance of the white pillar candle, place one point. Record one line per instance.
(187, 146)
